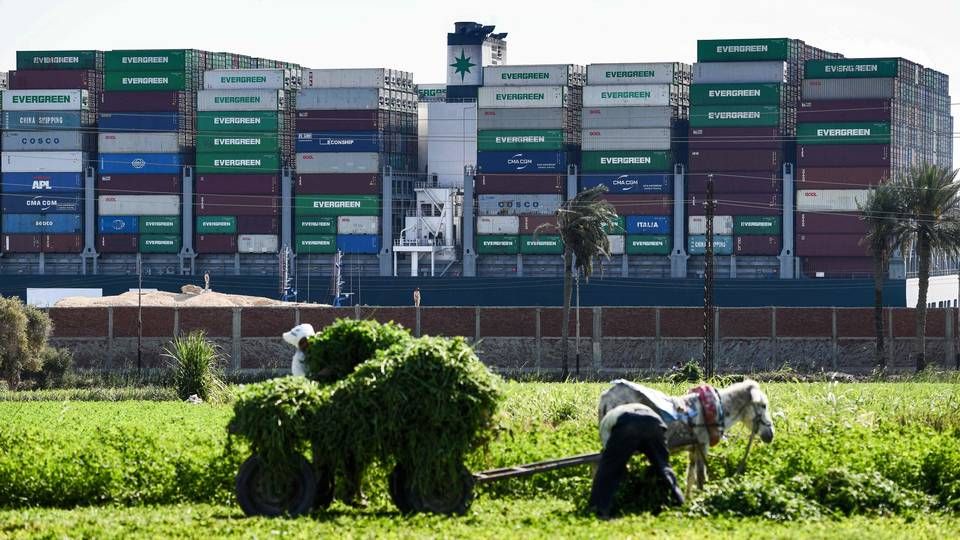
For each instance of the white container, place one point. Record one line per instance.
(311, 99)
(498, 225)
(698, 225)
(257, 243)
(626, 139)
(627, 117)
(517, 204)
(831, 200)
(358, 225)
(432, 93)
(45, 100)
(56, 140)
(529, 75)
(240, 100)
(345, 162)
(536, 118)
(817, 89)
(138, 205)
(42, 162)
(526, 97)
(616, 244)
(350, 78)
(244, 79)
(132, 143)
(646, 73)
(451, 141)
(740, 72)
(627, 95)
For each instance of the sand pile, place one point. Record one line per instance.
(191, 296)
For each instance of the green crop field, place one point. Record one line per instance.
(849, 460)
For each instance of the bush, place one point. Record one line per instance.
(23, 337)
(345, 344)
(689, 372)
(53, 368)
(195, 362)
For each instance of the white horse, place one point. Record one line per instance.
(698, 420)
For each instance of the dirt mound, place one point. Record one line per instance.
(188, 298)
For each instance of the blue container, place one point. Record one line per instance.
(43, 120)
(36, 183)
(42, 224)
(46, 203)
(139, 122)
(648, 224)
(140, 163)
(358, 243)
(118, 225)
(629, 183)
(522, 162)
(340, 141)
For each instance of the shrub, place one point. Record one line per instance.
(754, 497)
(23, 337)
(345, 344)
(53, 368)
(195, 362)
(689, 372)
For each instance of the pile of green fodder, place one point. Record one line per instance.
(341, 347)
(424, 403)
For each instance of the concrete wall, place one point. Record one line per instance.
(614, 340)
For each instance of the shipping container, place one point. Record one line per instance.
(358, 243)
(627, 161)
(834, 89)
(118, 224)
(146, 122)
(149, 60)
(215, 243)
(144, 81)
(831, 200)
(138, 205)
(336, 205)
(237, 122)
(50, 120)
(45, 100)
(21, 243)
(533, 75)
(520, 139)
(238, 143)
(498, 225)
(844, 110)
(722, 245)
(649, 224)
(137, 143)
(117, 243)
(216, 225)
(315, 225)
(520, 183)
(68, 79)
(258, 243)
(351, 78)
(46, 203)
(702, 116)
(343, 141)
(42, 224)
(141, 102)
(338, 120)
(844, 133)
(756, 204)
(322, 244)
(628, 117)
(239, 79)
(617, 226)
(540, 224)
(521, 162)
(498, 244)
(541, 244)
(55, 140)
(141, 163)
(338, 184)
(358, 225)
(629, 95)
(159, 243)
(735, 160)
(840, 155)
(535, 118)
(43, 162)
(647, 245)
(348, 162)
(348, 99)
(528, 97)
(756, 225)
(824, 223)
(831, 245)
(62, 243)
(827, 267)
(841, 177)
(740, 72)
(646, 73)
(626, 139)
(138, 184)
(735, 138)
(515, 205)
(617, 244)
(238, 163)
(236, 205)
(41, 182)
(757, 245)
(37, 60)
(432, 93)
(850, 68)
(240, 100)
(237, 184)
(629, 184)
(749, 93)
(626, 205)
(159, 224)
(722, 225)
(725, 183)
(743, 50)
(258, 225)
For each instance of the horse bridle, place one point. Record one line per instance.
(757, 422)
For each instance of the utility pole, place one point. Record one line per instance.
(708, 305)
(139, 316)
(577, 284)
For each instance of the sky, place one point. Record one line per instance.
(411, 35)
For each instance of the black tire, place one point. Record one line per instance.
(454, 498)
(295, 498)
(398, 484)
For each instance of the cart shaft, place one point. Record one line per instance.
(534, 468)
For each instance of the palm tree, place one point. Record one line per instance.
(581, 222)
(882, 211)
(931, 201)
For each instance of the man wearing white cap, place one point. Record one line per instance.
(298, 337)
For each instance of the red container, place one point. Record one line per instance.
(118, 243)
(215, 243)
(736, 182)
(236, 205)
(736, 138)
(138, 184)
(831, 245)
(62, 243)
(529, 224)
(843, 155)
(338, 184)
(735, 160)
(757, 245)
(836, 266)
(828, 223)
(121, 102)
(841, 177)
(641, 205)
(737, 204)
(258, 225)
(21, 243)
(238, 184)
(520, 183)
(55, 79)
(342, 120)
(844, 110)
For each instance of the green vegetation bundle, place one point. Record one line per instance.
(23, 337)
(345, 344)
(195, 363)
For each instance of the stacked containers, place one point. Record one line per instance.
(242, 143)
(528, 133)
(351, 124)
(742, 123)
(631, 116)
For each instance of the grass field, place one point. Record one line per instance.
(849, 460)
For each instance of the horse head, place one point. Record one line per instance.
(758, 416)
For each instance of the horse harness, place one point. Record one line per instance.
(712, 409)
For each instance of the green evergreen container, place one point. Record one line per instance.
(57, 59)
(735, 94)
(236, 142)
(520, 139)
(144, 81)
(315, 243)
(159, 243)
(315, 225)
(160, 225)
(237, 163)
(337, 205)
(498, 244)
(627, 161)
(541, 244)
(851, 68)
(150, 60)
(734, 115)
(217, 225)
(239, 122)
(756, 225)
(742, 50)
(618, 227)
(844, 133)
(642, 244)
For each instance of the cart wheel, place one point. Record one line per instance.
(454, 498)
(399, 486)
(293, 495)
